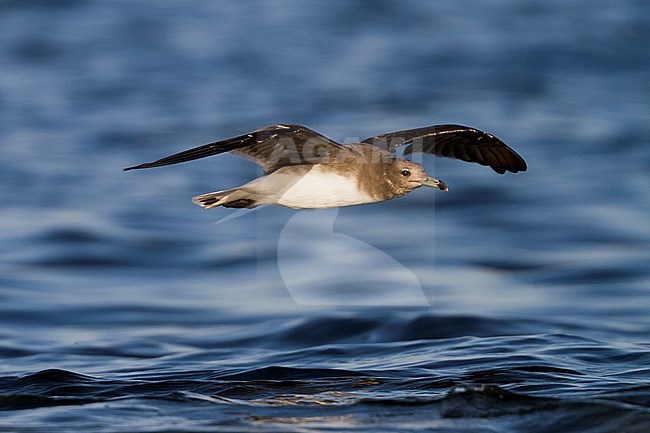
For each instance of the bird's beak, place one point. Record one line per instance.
(434, 183)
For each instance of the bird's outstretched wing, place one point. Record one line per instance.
(272, 147)
(454, 141)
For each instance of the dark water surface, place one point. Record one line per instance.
(515, 303)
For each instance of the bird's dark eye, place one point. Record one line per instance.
(406, 173)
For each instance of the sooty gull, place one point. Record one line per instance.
(306, 170)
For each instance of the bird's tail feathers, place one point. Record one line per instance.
(234, 198)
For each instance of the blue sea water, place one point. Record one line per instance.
(514, 303)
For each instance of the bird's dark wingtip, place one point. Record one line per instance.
(514, 170)
(521, 167)
(137, 167)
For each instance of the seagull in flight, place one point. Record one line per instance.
(306, 170)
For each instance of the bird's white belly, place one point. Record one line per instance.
(323, 189)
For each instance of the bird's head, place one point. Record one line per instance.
(405, 176)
